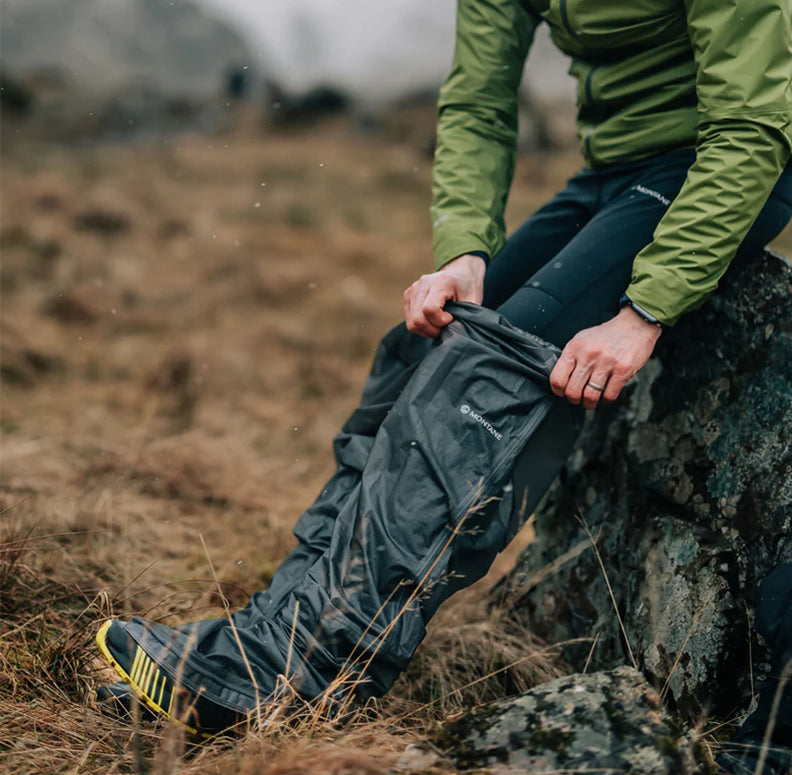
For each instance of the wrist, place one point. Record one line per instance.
(472, 263)
(627, 303)
(636, 322)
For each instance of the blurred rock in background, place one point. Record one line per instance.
(132, 68)
(122, 68)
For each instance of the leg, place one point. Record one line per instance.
(431, 511)
(582, 284)
(397, 357)
(773, 715)
(540, 238)
(545, 233)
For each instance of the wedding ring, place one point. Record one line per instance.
(595, 386)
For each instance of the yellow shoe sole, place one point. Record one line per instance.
(145, 679)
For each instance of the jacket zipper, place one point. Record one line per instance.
(565, 19)
(590, 99)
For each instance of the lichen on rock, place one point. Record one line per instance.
(600, 722)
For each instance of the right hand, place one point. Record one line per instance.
(459, 280)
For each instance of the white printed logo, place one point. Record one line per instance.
(650, 192)
(466, 410)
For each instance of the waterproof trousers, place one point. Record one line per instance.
(453, 445)
(437, 469)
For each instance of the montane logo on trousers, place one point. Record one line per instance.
(473, 415)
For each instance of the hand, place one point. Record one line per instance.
(607, 355)
(459, 280)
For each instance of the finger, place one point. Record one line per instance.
(432, 307)
(407, 297)
(561, 372)
(413, 315)
(616, 383)
(577, 381)
(594, 388)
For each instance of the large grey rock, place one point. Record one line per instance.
(687, 487)
(170, 47)
(600, 722)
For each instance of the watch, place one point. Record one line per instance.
(626, 301)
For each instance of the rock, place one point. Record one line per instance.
(600, 722)
(116, 71)
(686, 485)
(174, 48)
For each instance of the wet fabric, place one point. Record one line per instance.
(452, 447)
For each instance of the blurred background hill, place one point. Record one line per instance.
(125, 67)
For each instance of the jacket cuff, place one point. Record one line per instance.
(626, 301)
(642, 302)
(447, 247)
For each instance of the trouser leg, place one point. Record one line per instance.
(772, 718)
(774, 623)
(397, 356)
(431, 511)
(548, 230)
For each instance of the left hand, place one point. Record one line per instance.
(607, 355)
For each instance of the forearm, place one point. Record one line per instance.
(477, 128)
(743, 53)
(736, 167)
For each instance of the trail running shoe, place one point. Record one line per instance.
(119, 700)
(155, 688)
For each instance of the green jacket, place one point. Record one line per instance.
(652, 76)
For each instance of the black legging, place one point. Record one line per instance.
(567, 266)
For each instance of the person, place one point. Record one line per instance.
(685, 122)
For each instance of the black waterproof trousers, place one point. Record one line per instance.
(453, 445)
(450, 450)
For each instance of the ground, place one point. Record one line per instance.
(186, 322)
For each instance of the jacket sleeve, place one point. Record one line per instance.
(743, 53)
(477, 128)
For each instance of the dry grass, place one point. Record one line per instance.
(49, 721)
